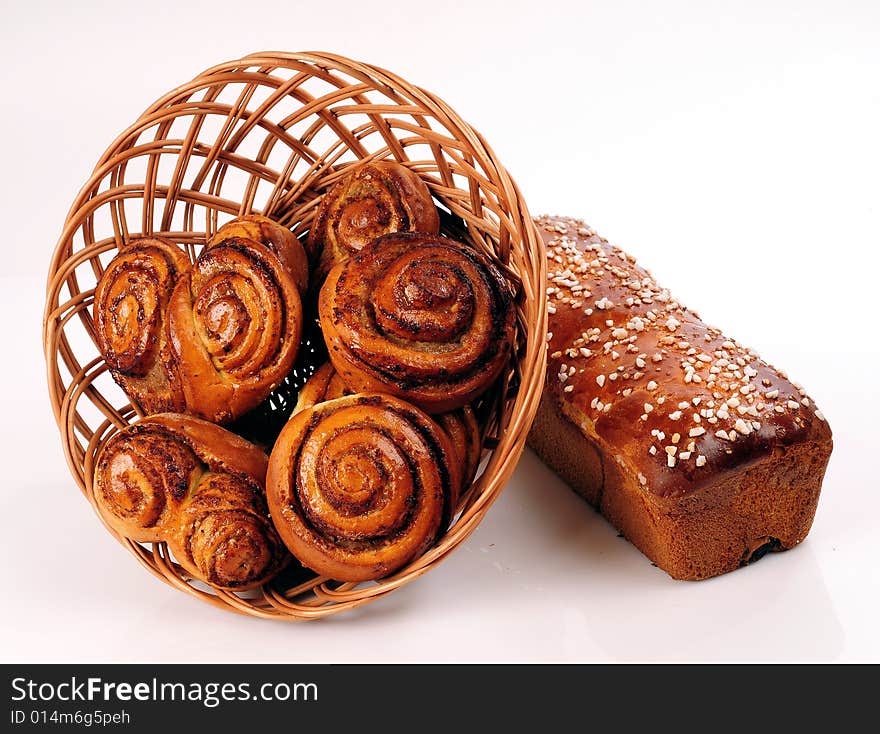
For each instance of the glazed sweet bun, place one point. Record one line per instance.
(423, 317)
(374, 199)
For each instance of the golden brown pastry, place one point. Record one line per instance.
(276, 237)
(360, 486)
(464, 433)
(197, 487)
(702, 454)
(460, 425)
(419, 316)
(235, 322)
(131, 299)
(325, 384)
(375, 199)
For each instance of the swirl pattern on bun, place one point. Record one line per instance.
(460, 425)
(197, 487)
(419, 316)
(131, 299)
(235, 323)
(360, 486)
(374, 199)
(276, 237)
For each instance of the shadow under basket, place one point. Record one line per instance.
(268, 134)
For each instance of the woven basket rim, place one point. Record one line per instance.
(526, 261)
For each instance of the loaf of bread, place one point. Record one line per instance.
(701, 454)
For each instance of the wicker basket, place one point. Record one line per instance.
(268, 133)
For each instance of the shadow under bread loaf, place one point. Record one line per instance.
(197, 487)
(704, 456)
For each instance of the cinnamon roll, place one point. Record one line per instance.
(325, 384)
(375, 199)
(131, 299)
(460, 425)
(360, 486)
(235, 322)
(420, 316)
(276, 237)
(197, 487)
(464, 433)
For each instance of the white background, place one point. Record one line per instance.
(734, 147)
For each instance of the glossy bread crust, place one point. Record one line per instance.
(211, 339)
(661, 420)
(325, 384)
(276, 237)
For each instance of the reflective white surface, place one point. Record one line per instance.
(734, 150)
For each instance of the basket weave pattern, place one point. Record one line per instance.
(268, 134)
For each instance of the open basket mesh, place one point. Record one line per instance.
(268, 134)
